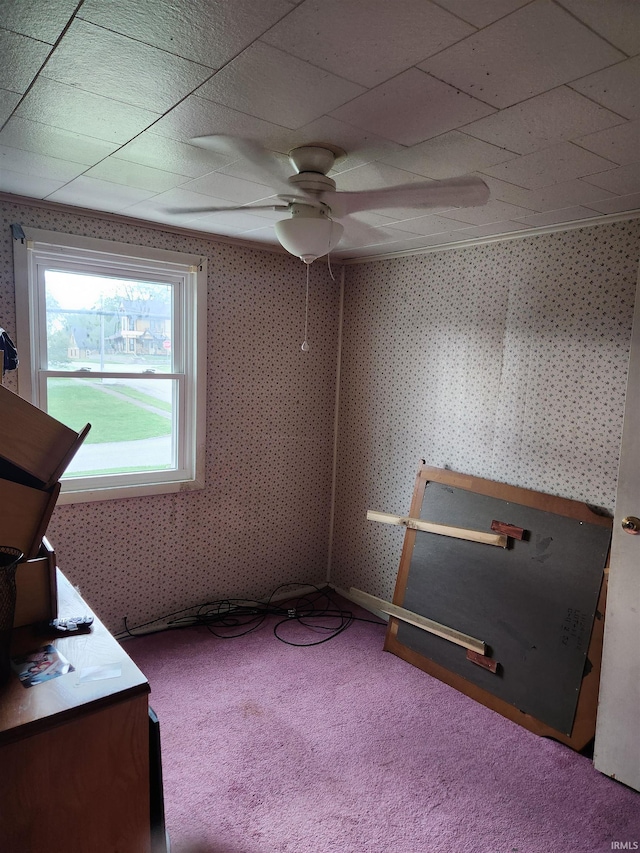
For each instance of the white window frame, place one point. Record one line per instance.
(188, 276)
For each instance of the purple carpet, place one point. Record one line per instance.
(344, 748)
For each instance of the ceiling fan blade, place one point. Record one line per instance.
(249, 150)
(223, 209)
(360, 233)
(455, 192)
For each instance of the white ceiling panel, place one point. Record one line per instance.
(480, 13)
(20, 60)
(205, 32)
(553, 217)
(41, 19)
(544, 120)
(368, 41)
(619, 144)
(566, 194)
(617, 204)
(539, 98)
(538, 47)
(8, 102)
(275, 86)
(490, 229)
(411, 108)
(426, 225)
(160, 152)
(34, 186)
(44, 139)
(552, 165)
(98, 195)
(617, 87)
(505, 191)
(448, 156)
(105, 63)
(199, 117)
(493, 211)
(623, 181)
(135, 175)
(618, 22)
(29, 163)
(228, 187)
(70, 109)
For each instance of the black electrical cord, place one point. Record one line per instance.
(231, 618)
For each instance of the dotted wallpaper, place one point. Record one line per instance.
(506, 361)
(263, 517)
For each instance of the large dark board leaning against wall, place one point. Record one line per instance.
(532, 603)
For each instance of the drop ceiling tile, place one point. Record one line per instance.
(205, 32)
(504, 191)
(235, 221)
(31, 186)
(8, 102)
(135, 175)
(17, 160)
(482, 12)
(620, 144)
(42, 21)
(198, 117)
(616, 20)
(552, 117)
(98, 195)
(70, 109)
(430, 224)
(617, 87)
(268, 83)
(618, 203)
(368, 41)
(448, 156)
(22, 58)
(623, 180)
(105, 63)
(44, 139)
(160, 152)
(383, 236)
(536, 48)
(230, 188)
(493, 211)
(554, 217)
(369, 217)
(266, 235)
(411, 107)
(560, 163)
(493, 229)
(566, 194)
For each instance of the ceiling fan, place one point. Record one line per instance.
(314, 204)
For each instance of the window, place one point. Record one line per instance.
(114, 335)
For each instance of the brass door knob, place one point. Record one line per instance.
(631, 524)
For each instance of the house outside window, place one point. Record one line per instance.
(114, 335)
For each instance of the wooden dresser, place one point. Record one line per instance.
(74, 752)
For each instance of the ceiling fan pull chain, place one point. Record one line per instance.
(305, 345)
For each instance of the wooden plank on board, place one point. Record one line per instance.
(444, 631)
(498, 539)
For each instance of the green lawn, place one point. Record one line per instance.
(78, 402)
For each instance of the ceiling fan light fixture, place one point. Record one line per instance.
(309, 233)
